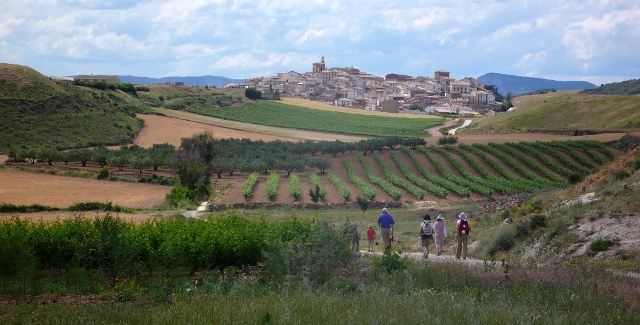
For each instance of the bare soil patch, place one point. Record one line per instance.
(3, 158)
(161, 129)
(23, 188)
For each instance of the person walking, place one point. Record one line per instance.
(426, 234)
(441, 234)
(386, 225)
(371, 237)
(463, 231)
(355, 242)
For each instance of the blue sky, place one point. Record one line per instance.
(597, 41)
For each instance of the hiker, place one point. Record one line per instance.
(426, 234)
(386, 225)
(441, 234)
(355, 243)
(463, 231)
(371, 238)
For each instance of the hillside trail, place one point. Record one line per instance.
(432, 258)
(435, 131)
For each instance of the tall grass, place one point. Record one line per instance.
(425, 293)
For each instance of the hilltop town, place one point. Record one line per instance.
(350, 87)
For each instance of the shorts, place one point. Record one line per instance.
(440, 240)
(386, 234)
(426, 241)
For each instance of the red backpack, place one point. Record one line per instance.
(463, 227)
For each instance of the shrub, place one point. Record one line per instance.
(447, 140)
(620, 174)
(522, 229)
(4, 208)
(180, 196)
(575, 178)
(390, 262)
(537, 221)
(319, 257)
(503, 240)
(600, 245)
(103, 173)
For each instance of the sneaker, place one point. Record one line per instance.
(438, 254)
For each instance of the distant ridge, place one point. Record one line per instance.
(517, 85)
(216, 81)
(629, 87)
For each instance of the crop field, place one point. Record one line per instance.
(221, 128)
(296, 117)
(23, 188)
(429, 173)
(296, 101)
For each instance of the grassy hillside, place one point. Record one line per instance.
(564, 111)
(629, 87)
(35, 111)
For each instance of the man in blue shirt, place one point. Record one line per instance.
(386, 224)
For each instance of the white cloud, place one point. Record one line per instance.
(569, 37)
(585, 38)
(532, 60)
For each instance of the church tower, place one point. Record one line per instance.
(319, 66)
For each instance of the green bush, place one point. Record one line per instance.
(4, 208)
(447, 140)
(503, 240)
(318, 256)
(103, 173)
(537, 221)
(575, 178)
(390, 262)
(96, 206)
(180, 196)
(601, 245)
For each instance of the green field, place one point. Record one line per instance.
(296, 117)
(564, 112)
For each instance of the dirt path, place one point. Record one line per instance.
(435, 131)
(432, 258)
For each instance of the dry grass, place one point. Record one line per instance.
(520, 100)
(23, 188)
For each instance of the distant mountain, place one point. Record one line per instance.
(629, 87)
(519, 85)
(216, 81)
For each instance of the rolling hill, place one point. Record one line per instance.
(35, 111)
(564, 111)
(519, 85)
(629, 87)
(216, 81)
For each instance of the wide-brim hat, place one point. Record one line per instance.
(385, 209)
(439, 218)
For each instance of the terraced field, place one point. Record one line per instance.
(432, 173)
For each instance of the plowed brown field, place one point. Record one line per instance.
(23, 188)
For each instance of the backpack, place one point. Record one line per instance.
(463, 227)
(426, 230)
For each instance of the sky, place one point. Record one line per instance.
(596, 41)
